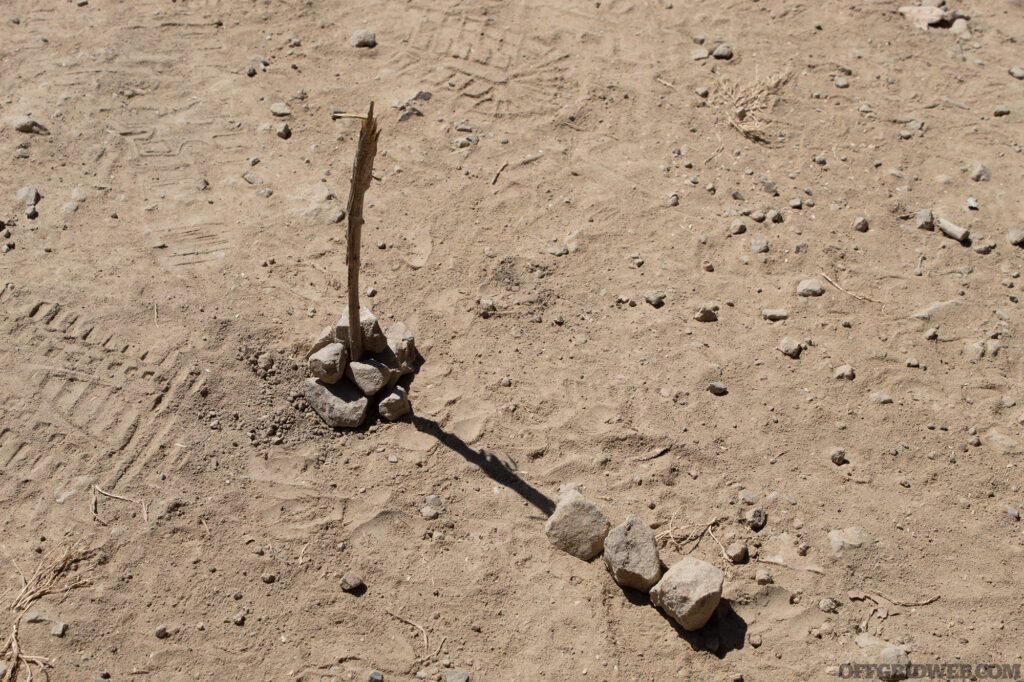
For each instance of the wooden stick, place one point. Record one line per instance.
(424, 659)
(503, 167)
(846, 291)
(362, 175)
(908, 603)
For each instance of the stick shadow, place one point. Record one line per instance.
(497, 470)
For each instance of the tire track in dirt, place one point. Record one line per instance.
(82, 400)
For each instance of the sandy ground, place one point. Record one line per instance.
(137, 305)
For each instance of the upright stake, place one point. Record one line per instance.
(362, 175)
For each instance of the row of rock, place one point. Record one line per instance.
(689, 592)
(340, 391)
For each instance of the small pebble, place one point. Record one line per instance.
(351, 582)
(363, 38)
(723, 51)
(655, 298)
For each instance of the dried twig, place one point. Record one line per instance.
(746, 106)
(426, 639)
(101, 491)
(424, 659)
(810, 569)
(503, 167)
(677, 543)
(46, 579)
(362, 176)
(654, 455)
(665, 82)
(846, 291)
(725, 554)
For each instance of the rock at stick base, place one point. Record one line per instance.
(328, 364)
(395, 404)
(373, 337)
(339, 405)
(370, 376)
(689, 592)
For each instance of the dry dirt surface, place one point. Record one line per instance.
(155, 313)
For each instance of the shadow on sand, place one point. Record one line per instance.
(491, 465)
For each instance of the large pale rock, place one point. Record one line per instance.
(847, 538)
(577, 526)
(631, 554)
(370, 376)
(892, 662)
(689, 592)
(339, 405)
(400, 352)
(328, 364)
(395, 404)
(373, 337)
(28, 195)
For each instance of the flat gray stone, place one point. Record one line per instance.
(456, 676)
(880, 398)
(328, 364)
(935, 310)
(810, 287)
(369, 376)
(339, 405)
(631, 554)
(394, 405)
(1016, 237)
(774, 314)
(30, 126)
(577, 526)
(280, 109)
(845, 372)
(689, 592)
